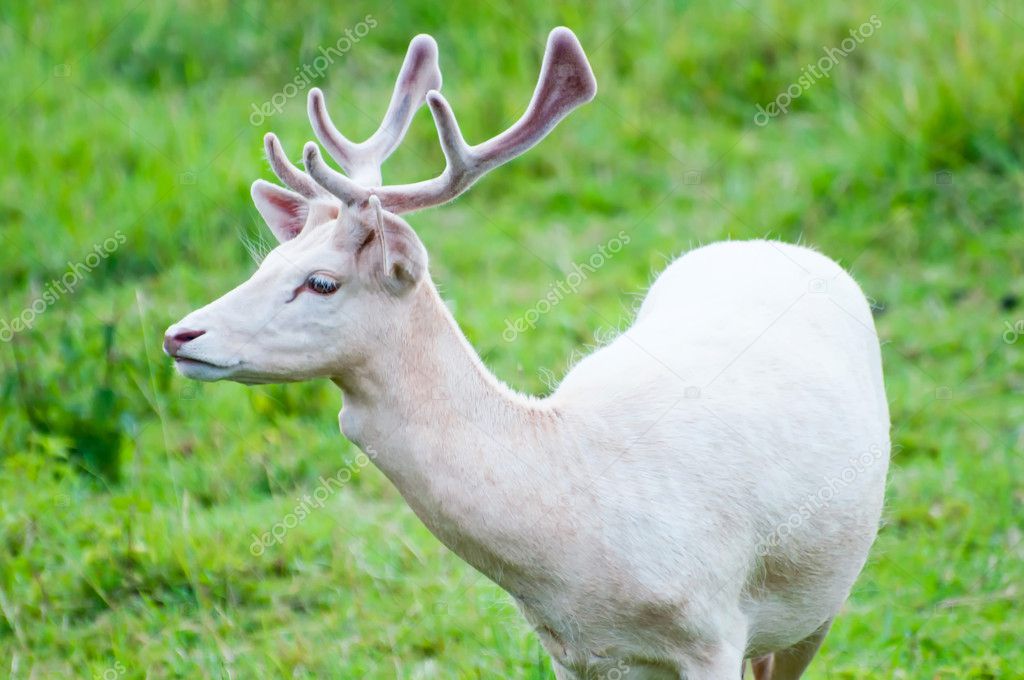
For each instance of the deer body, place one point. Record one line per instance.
(701, 490)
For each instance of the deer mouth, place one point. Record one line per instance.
(201, 369)
(198, 362)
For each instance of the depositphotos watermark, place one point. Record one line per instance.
(59, 287)
(309, 502)
(812, 73)
(617, 672)
(822, 498)
(1014, 331)
(559, 290)
(307, 73)
(112, 673)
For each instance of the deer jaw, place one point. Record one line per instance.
(283, 325)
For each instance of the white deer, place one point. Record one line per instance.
(702, 490)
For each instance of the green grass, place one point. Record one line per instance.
(905, 165)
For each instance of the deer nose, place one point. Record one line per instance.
(175, 338)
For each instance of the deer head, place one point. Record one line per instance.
(335, 289)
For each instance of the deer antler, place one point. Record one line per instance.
(566, 81)
(420, 74)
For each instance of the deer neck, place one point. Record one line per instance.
(476, 461)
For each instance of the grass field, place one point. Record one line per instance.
(129, 497)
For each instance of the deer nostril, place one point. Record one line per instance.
(174, 341)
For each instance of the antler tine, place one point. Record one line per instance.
(294, 178)
(566, 81)
(330, 179)
(419, 75)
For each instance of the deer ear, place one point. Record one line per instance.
(401, 265)
(407, 260)
(283, 211)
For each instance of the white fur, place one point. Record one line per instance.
(664, 510)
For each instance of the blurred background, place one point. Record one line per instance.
(134, 504)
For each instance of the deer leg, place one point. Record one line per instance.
(762, 667)
(790, 663)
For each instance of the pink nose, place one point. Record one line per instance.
(176, 338)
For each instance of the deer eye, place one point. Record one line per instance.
(321, 284)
